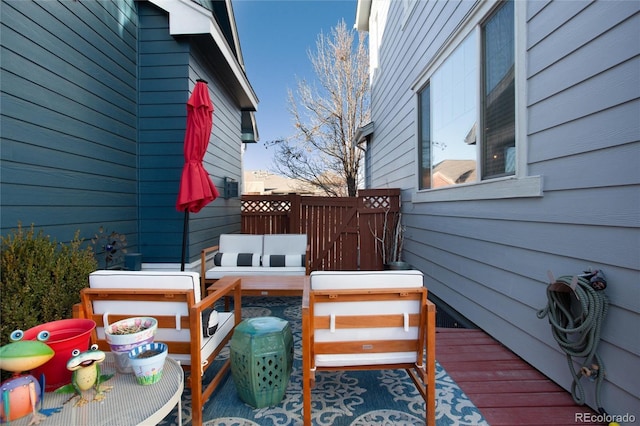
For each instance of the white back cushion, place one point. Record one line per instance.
(354, 280)
(351, 280)
(147, 280)
(240, 243)
(158, 280)
(284, 244)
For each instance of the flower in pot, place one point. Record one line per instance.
(147, 362)
(127, 334)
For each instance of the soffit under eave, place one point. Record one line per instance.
(187, 18)
(363, 11)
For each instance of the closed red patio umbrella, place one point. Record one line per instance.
(196, 188)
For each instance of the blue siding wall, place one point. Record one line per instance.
(168, 70)
(164, 91)
(92, 125)
(223, 159)
(68, 117)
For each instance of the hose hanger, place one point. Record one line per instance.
(577, 331)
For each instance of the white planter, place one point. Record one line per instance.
(148, 367)
(122, 342)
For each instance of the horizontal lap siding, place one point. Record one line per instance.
(169, 67)
(489, 259)
(583, 105)
(69, 117)
(164, 91)
(223, 159)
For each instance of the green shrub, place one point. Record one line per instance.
(40, 279)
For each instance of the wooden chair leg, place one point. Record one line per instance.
(306, 398)
(196, 398)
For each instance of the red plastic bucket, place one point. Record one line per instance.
(64, 336)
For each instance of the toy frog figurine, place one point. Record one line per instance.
(21, 393)
(86, 374)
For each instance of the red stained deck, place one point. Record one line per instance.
(506, 389)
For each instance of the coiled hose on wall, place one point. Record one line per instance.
(578, 333)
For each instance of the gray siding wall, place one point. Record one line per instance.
(68, 117)
(169, 68)
(488, 259)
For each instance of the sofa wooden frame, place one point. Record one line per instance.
(422, 371)
(192, 322)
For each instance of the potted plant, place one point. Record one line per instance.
(127, 334)
(147, 362)
(391, 241)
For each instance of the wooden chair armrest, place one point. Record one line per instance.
(306, 290)
(203, 264)
(77, 311)
(307, 263)
(229, 288)
(206, 251)
(430, 306)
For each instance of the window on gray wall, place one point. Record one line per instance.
(424, 147)
(450, 144)
(498, 95)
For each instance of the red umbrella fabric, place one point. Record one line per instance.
(196, 188)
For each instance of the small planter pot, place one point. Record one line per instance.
(128, 334)
(64, 336)
(397, 266)
(147, 362)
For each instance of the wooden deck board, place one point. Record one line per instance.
(506, 389)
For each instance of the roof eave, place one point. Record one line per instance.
(363, 11)
(189, 18)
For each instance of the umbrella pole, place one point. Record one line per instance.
(185, 228)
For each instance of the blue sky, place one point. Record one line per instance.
(275, 37)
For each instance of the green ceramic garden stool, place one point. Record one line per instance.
(261, 360)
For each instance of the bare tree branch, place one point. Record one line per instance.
(326, 117)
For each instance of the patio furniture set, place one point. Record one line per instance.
(350, 319)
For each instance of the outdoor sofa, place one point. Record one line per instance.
(246, 254)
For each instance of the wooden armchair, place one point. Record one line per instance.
(173, 298)
(368, 320)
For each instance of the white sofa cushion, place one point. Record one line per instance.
(240, 243)
(284, 244)
(290, 248)
(350, 280)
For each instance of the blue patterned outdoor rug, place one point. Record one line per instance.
(353, 398)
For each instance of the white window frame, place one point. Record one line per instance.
(519, 185)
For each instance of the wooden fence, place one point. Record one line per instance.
(341, 230)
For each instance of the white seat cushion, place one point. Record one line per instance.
(344, 360)
(350, 280)
(221, 271)
(282, 270)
